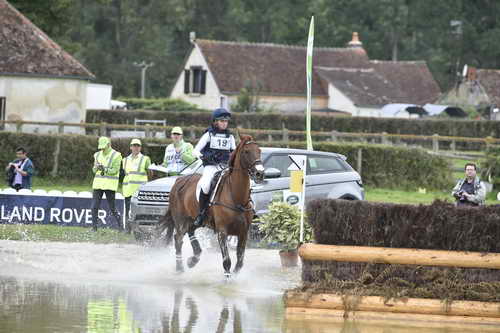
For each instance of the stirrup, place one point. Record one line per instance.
(199, 220)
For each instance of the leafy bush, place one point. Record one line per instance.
(490, 166)
(282, 225)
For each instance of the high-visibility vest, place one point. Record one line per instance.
(107, 180)
(135, 173)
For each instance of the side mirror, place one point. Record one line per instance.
(272, 173)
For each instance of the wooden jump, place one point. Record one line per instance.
(385, 255)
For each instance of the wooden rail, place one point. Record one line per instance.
(283, 134)
(385, 255)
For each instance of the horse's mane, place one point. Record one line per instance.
(243, 139)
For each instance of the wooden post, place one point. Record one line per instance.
(359, 160)
(385, 139)
(453, 145)
(285, 134)
(103, 131)
(192, 133)
(57, 150)
(19, 126)
(399, 256)
(147, 131)
(60, 128)
(435, 143)
(489, 140)
(334, 135)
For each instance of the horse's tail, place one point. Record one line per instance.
(166, 223)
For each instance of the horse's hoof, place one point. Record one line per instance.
(192, 261)
(227, 276)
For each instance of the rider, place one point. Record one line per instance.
(215, 147)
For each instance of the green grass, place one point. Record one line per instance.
(414, 197)
(62, 234)
(62, 184)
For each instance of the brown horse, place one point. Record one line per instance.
(230, 213)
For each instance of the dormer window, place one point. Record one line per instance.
(195, 80)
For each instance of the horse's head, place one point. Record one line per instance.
(249, 158)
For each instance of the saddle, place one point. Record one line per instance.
(214, 184)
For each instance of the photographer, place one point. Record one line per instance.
(469, 191)
(20, 171)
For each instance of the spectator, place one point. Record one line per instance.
(21, 170)
(469, 191)
(178, 154)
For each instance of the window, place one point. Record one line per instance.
(324, 164)
(3, 104)
(280, 162)
(195, 80)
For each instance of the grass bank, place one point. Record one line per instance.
(53, 233)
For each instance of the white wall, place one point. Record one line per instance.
(44, 99)
(338, 101)
(211, 99)
(99, 96)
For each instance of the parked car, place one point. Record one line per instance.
(328, 175)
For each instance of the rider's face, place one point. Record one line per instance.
(222, 124)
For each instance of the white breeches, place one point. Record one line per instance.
(206, 178)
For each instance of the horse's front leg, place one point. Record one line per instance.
(195, 244)
(179, 266)
(226, 260)
(240, 252)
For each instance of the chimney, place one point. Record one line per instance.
(192, 36)
(355, 42)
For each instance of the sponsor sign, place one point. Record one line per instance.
(58, 210)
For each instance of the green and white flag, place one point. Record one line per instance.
(309, 59)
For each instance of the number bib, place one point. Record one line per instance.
(220, 142)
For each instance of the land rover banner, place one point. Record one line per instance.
(58, 210)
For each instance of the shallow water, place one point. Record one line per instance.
(79, 287)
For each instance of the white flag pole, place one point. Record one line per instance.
(310, 43)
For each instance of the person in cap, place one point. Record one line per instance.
(107, 163)
(136, 167)
(215, 147)
(178, 154)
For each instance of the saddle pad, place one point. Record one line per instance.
(214, 185)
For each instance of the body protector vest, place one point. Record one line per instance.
(218, 149)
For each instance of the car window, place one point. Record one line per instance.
(324, 164)
(280, 162)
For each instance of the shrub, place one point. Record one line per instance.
(159, 104)
(282, 225)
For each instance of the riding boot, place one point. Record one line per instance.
(204, 201)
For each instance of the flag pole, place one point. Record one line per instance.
(310, 43)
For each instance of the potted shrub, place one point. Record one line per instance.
(281, 225)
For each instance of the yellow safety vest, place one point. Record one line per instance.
(135, 173)
(107, 180)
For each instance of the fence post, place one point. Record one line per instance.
(57, 150)
(359, 160)
(103, 131)
(269, 138)
(334, 135)
(19, 127)
(453, 145)
(385, 140)
(489, 140)
(435, 142)
(285, 134)
(60, 128)
(192, 133)
(147, 131)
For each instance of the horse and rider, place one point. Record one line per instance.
(227, 209)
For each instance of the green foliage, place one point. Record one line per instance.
(159, 104)
(490, 166)
(282, 225)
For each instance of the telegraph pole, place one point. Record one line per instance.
(143, 67)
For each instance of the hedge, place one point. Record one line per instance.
(447, 127)
(439, 226)
(382, 166)
(159, 104)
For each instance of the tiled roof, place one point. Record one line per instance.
(490, 81)
(413, 78)
(281, 70)
(26, 50)
(362, 86)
